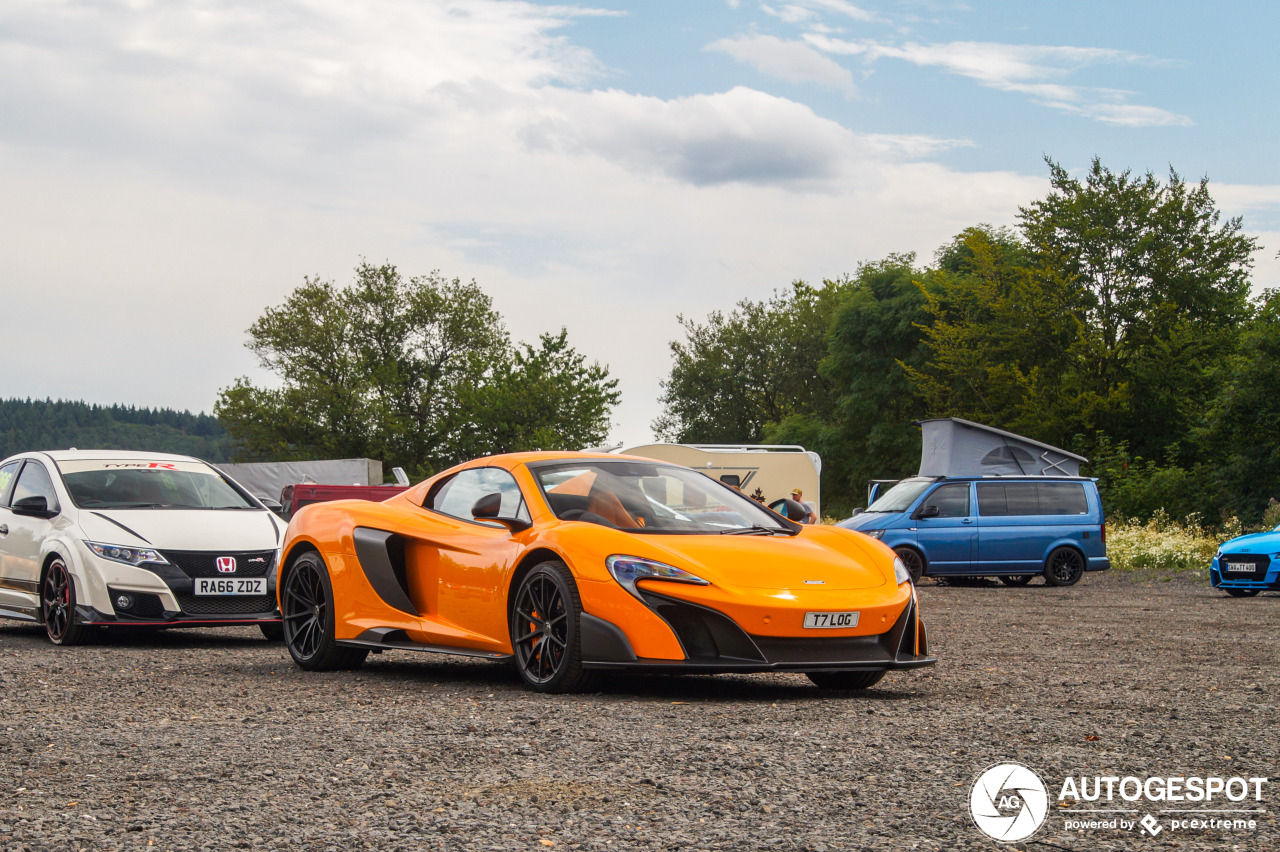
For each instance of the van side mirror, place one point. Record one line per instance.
(35, 506)
(927, 512)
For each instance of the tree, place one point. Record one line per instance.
(735, 373)
(865, 431)
(390, 368)
(1116, 317)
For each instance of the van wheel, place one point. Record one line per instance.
(1064, 567)
(1016, 579)
(913, 560)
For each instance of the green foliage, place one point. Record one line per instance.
(735, 373)
(46, 425)
(866, 433)
(415, 371)
(1163, 544)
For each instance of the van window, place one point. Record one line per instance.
(952, 500)
(997, 499)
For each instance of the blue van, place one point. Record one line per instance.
(1011, 527)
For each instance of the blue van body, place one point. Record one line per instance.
(1013, 527)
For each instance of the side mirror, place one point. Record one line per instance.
(928, 512)
(35, 506)
(487, 508)
(274, 505)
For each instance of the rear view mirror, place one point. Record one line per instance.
(928, 512)
(35, 506)
(487, 509)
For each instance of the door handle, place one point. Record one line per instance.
(4, 529)
(967, 521)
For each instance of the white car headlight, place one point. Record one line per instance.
(628, 569)
(128, 555)
(877, 534)
(900, 572)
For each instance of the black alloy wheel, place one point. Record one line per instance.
(545, 634)
(307, 605)
(1064, 567)
(1242, 593)
(58, 606)
(1016, 579)
(846, 680)
(913, 560)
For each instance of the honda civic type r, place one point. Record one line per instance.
(570, 564)
(106, 538)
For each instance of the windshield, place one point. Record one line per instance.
(900, 497)
(143, 484)
(650, 498)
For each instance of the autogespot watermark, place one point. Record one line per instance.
(1009, 802)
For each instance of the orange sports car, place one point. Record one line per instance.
(570, 564)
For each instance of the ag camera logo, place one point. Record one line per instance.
(1008, 802)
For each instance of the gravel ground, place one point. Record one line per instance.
(211, 739)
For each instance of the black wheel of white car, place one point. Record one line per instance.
(846, 680)
(58, 606)
(1064, 567)
(307, 605)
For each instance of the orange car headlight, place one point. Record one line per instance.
(628, 569)
(900, 572)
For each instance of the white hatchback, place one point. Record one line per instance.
(109, 538)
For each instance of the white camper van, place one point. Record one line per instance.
(767, 472)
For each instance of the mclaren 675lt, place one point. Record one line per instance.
(570, 564)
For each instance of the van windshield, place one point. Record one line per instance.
(900, 497)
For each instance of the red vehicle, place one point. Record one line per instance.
(294, 497)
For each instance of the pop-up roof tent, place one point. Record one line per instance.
(955, 447)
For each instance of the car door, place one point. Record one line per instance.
(11, 595)
(946, 528)
(24, 535)
(458, 566)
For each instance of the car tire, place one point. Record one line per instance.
(272, 631)
(1064, 567)
(1016, 579)
(58, 606)
(913, 560)
(845, 680)
(306, 603)
(1242, 593)
(546, 635)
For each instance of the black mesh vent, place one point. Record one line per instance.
(202, 563)
(1257, 566)
(144, 605)
(226, 604)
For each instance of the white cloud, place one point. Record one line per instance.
(169, 170)
(792, 61)
(1031, 70)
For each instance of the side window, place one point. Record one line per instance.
(34, 481)
(456, 496)
(952, 500)
(1063, 498)
(6, 479)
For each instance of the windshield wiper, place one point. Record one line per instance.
(756, 529)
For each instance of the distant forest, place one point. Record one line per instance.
(27, 424)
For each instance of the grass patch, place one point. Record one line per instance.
(1163, 544)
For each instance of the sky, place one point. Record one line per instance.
(168, 170)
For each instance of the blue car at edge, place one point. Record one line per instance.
(1247, 565)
